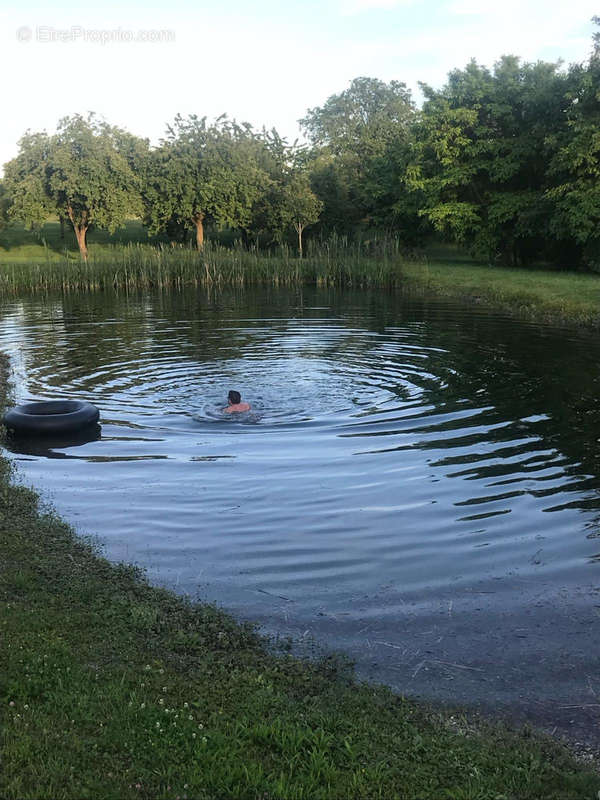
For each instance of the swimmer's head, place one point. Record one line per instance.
(234, 397)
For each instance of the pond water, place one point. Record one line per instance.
(404, 457)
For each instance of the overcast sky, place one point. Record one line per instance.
(265, 61)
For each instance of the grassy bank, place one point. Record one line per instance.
(110, 688)
(534, 293)
(40, 262)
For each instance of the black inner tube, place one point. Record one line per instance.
(52, 416)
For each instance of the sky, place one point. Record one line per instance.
(138, 64)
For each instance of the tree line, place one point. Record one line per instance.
(503, 161)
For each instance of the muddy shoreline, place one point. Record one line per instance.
(524, 651)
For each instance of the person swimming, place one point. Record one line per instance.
(235, 403)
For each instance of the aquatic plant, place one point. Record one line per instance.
(332, 263)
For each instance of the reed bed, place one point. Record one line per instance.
(142, 266)
(377, 262)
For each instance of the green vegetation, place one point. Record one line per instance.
(129, 259)
(112, 688)
(503, 161)
(543, 295)
(80, 174)
(123, 263)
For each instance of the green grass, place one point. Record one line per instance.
(112, 688)
(535, 293)
(126, 263)
(42, 262)
(18, 245)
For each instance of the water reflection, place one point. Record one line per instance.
(391, 439)
(52, 445)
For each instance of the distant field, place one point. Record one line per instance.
(20, 245)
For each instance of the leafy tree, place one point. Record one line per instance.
(78, 174)
(286, 200)
(274, 157)
(300, 207)
(482, 148)
(202, 173)
(361, 118)
(26, 180)
(5, 203)
(360, 137)
(575, 166)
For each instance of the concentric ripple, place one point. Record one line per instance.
(391, 443)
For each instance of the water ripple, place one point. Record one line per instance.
(386, 443)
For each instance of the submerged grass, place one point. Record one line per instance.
(111, 688)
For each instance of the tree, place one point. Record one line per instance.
(300, 205)
(483, 144)
(78, 174)
(202, 173)
(357, 138)
(26, 180)
(5, 203)
(274, 157)
(361, 118)
(575, 166)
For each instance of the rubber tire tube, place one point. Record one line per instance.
(51, 416)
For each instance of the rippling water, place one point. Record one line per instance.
(396, 448)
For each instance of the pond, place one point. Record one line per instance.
(417, 482)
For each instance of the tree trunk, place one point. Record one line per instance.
(300, 228)
(199, 220)
(80, 229)
(62, 228)
(81, 233)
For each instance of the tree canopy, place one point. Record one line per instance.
(503, 160)
(203, 172)
(79, 173)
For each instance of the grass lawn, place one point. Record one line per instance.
(537, 293)
(19, 245)
(111, 688)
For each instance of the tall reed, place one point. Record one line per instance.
(334, 262)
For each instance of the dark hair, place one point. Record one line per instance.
(234, 397)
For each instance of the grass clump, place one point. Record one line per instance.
(112, 688)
